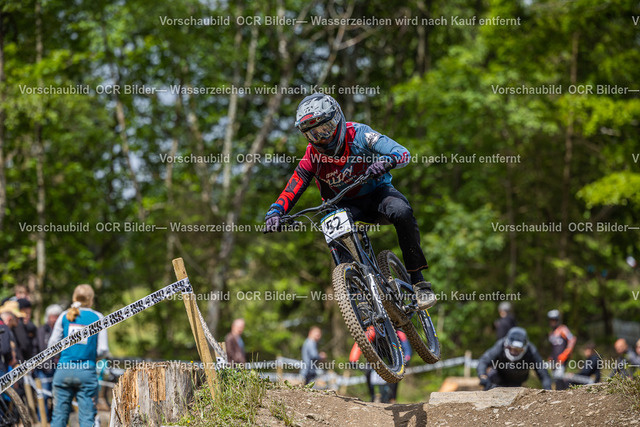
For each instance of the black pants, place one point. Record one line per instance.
(386, 204)
(502, 379)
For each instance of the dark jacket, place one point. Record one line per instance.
(514, 373)
(591, 367)
(44, 333)
(235, 351)
(503, 325)
(7, 347)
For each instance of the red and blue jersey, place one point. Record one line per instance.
(363, 147)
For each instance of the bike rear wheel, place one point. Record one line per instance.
(374, 334)
(416, 324)
(14, 412)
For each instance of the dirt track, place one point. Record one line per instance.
(587, 406)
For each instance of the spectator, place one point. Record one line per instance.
(311, 356)
(235, 344)
(19, 291)
(390, 390)
(506, 320)
(7, 347)
(11, 316)
(634, 356)
(508, 362)
(354, 355)
(47, 369)
(623, 356)
(590, 367)
(562, 344)
(75, 375)
(29, 346)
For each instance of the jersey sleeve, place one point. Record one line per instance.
(57, 334)
(489, 356)
(383, 145)
(298, 182)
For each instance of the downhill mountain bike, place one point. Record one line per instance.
(374, 293)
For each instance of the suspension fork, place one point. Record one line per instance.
(372, 281)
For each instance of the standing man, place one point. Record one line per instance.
(7, 348)
(339, 152)
(234, 343)
(506, 320)
(562, 344)
(311, 356)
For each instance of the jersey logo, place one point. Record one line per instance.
(338, 177)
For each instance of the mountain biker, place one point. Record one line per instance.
(510, 360)
(337, 154)
(562, 344)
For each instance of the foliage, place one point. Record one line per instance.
(627, 387)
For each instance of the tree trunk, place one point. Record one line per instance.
(41, 255)
(3, 183)
(154, 394)
(566, 176)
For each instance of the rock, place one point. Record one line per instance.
(497, 397)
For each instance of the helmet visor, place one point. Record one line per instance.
(322, 133)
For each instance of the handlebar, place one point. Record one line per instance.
(327, 204)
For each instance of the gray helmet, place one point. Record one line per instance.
(553, 315)
(320, 119)
(516, 344)
(505, 306)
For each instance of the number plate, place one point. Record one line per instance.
(336, 224)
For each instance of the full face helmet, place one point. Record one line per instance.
(516, 344)
(320, 119)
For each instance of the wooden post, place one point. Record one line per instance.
(196, 328)
(31, 403)
(279, 371)
(41, 406)
(467, 364)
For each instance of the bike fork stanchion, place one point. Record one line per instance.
(197, 329)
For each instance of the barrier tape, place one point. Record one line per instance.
(112, 319)
(339, 380)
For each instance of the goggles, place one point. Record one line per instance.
(322, 133)
(515, 351)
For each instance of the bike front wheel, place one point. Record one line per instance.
(13, 411)
(373, 332)
(416, 323)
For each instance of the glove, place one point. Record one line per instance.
(382, 166)
(272, 218)
(484, 381)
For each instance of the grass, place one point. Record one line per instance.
(628, 387)
(279, 411)
(239, 395)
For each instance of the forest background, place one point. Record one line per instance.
(554, 85)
